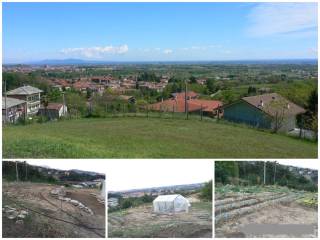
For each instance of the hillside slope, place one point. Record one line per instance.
(148, 138)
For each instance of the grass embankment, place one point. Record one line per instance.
(251, 189)
(131, 137)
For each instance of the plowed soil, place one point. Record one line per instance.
(36, 198)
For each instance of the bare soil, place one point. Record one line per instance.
(142, 222)
(36, 199)
(85, 197)
(279, 214)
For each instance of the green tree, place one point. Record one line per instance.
(210, 83)
(313, 101)
(252, 90)
(193, 79)
(206, 191)
(126, 203)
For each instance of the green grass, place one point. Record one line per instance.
(207, 206)
(133, 137)
(251, 189)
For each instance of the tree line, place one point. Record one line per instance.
(22, 171)
(254, 173)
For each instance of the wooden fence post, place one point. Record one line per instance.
(147, 111)
(172, 111)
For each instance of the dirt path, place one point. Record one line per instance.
(293, 213)
(142, 222)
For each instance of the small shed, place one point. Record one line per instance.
(53, 110)
(171, 204)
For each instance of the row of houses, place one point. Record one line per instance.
(25, 101)
(182, 102)
(268, 111)
(100, 83)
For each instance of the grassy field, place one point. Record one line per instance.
(132, 137)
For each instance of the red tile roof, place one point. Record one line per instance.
(53, 106)
(80, 85)
(178, 105)
(190, 94)
(63, 82)
(207, 105)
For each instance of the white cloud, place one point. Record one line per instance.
(311, 52)
(96, 52)
(167, 51)
(201, 48)
(283, 18)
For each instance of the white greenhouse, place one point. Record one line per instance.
(171, 204)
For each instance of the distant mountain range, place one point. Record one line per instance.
(71, 170)
(74, 61)
(69, 61)
(85, 172)
(173, 187)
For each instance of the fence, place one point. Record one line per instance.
(132, 110)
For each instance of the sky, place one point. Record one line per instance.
(159, 31)
(310, 163)
(129, 174)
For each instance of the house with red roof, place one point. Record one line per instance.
(178, 104)
(53, 110)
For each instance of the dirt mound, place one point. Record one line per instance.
(279, 214)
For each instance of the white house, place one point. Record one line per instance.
(171, 204)
(12, 109)
(29, 94)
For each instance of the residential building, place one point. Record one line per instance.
(264, 111)
(178, 104)
(53, 110)
(29, 94)
(181, 95)
(129, 99)
(13, 109)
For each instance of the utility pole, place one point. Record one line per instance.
(5, 100)
(17, 174)
(64, 103)
(26, 165)
(264, 173)
(275, 170)
(186, 100)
